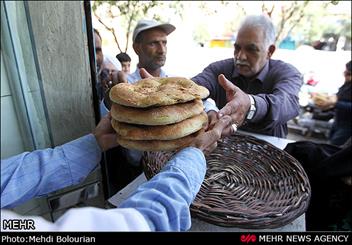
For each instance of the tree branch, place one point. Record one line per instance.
(296, 22)
(129, 25)
(109, 29)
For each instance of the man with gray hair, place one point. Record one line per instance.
(259, 93)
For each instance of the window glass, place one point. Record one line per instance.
(24, 125)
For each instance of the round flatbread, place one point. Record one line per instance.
(158, 145)
(165, 132)
(162, 115)
(157, 91)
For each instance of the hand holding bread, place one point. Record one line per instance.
(105, 134)
(207, 141)
(158, 114)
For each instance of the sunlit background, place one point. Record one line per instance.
(314, 36)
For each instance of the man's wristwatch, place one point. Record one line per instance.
(252, 109)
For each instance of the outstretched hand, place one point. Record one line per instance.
(207, 141)
(105, 134)
(238, 104)
(144, 74)
(114, 78)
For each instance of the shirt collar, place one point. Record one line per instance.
(262, 74)
(135, 76)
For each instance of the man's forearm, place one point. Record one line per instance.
(32, 174)
(165, 199)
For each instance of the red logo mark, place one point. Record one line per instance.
(248, 238)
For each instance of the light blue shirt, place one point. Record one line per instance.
(37, 173)
(165, 199)
(136, 76)
(160, 204)
(103, 109)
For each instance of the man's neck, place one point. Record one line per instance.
(258, 75)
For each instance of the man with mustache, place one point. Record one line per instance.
(150, 44)
(259, 93)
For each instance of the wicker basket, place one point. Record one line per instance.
(249, 184)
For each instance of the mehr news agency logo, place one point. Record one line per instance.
(295, 238)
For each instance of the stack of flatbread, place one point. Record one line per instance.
(158, 114)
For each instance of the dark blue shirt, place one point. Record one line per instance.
(342, 128)
(343, 107)
(275, 91)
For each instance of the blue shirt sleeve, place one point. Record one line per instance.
(209, 105)
(165, 199)
(33, 174)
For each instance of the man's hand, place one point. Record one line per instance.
(207, 141)
(105, 134)
(120, 78)
(144, 74)
(111, 77)
(115, 77)
(237, 106)
(212, 120)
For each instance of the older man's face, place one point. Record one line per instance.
(250, 52)
(152, 49)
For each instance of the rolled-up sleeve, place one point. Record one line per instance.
(33, 174)
(165, 199)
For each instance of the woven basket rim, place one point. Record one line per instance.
(249, 183)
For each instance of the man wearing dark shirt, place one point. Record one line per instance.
(259, 93)
(342, 104)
